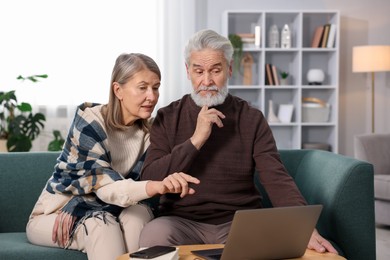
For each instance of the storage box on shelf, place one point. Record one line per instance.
(302, 55)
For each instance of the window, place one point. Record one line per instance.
(76, 43)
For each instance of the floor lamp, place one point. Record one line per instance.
(371, 58)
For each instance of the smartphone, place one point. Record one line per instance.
(152, 252)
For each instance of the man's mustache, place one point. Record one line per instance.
(209, 88)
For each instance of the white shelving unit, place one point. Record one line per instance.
(296, 60)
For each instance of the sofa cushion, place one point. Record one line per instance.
(15, 246)
(22, 178)
(382, 187)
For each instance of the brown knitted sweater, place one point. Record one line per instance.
(225, 165)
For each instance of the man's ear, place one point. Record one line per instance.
(231, 68)
(187, 70)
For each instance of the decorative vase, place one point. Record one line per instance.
(285, 37)
(273, 37)
(315, 77)
(272, 118)
(247, 63)
(3, 146)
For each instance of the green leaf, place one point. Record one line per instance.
(237, 44)
(236, 41)
(33, 125)
(7, 96)
(284, 74)
(19, 143)
(15, 126)
(18, 123)
(57, 143)
(25, 107)
(32, 78)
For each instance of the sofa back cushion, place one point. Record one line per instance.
(22, 178)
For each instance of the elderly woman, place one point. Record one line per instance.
(93, 200)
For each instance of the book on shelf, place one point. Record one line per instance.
(315, 43)
(247, 38)
(275, 75)
(257, 35)
(332, 36)
(266, 75)
(269, 74)
(250, 40)
(250, 36)
(325, 35)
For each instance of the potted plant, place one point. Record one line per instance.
(57, 142)
(237, 54)
(284, 76)
(19, 126)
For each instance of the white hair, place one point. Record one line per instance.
(208, 39)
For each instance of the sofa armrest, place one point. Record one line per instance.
(344, 186)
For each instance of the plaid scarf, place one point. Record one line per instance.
(86, 206)
(84, 166)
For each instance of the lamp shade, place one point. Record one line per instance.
(371, 58)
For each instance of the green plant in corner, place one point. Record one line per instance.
(19, 126)
(237, 54)
(284, 74)
(57, 143)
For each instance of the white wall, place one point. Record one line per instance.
(362, 23)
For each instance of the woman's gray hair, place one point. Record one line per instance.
(126, 66)
(208, 39)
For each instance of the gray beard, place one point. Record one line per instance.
(210, 100)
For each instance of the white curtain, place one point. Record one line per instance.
(179, 20)
(76, 43)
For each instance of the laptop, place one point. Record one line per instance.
(268, 233)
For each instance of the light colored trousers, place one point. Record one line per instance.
(100, 240)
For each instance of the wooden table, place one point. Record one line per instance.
(185, 253)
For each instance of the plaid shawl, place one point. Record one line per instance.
(84, 166)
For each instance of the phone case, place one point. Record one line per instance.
(153, 251)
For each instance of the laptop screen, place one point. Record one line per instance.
(269, 233)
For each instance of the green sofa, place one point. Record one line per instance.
(342, 184)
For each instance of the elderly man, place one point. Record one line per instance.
(221, 140)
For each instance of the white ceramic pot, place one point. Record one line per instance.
(283, 81)
(315, 76)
